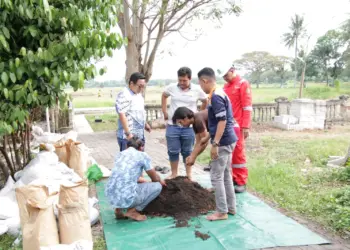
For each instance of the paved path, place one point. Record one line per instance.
(104, 147)
(81, 125)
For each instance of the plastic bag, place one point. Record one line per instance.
(37, 130)
(94, 173)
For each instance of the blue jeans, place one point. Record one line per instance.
(123, 144)
(145, 193)
(179, 140)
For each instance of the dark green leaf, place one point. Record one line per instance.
(13, 77)
(19, 73)
(11, 95)
(30, 56)
(33, 31)
(21, 10)
(18, 95)
(17, 87)
(29, 13)
(17, 61)
(81, 78)
(4, 78)
(29, 99)
(4, 43)
(6, 93)
(23, 51)
(109, 52)
(6, 32)
(47, 72)
(2, 66)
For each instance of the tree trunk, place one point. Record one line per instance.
(16, 150)
(296, 59)
(28, 141)
(4, 170)
(132, 59)
(302, 81)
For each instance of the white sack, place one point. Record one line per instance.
(71, 135)
(8, 208)
(105, 171)
(78, 245)
(93, 215)
(14, 226)
(37, 130)
(8, 187)
(3, 229)
(18, 175)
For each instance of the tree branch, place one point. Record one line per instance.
(147, 68)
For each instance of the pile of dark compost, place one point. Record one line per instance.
(181, 199)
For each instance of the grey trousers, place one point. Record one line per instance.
(221, 179)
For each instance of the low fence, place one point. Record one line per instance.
(338, 111)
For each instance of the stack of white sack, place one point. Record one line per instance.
(45, 169)
(41, 137)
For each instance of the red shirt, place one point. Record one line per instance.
(240, 94)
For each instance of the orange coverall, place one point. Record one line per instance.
(239, 93)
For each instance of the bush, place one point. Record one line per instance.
(337, 85)
(339, 207)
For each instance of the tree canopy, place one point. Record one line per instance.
(45, 46)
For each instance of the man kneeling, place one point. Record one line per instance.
(126, 189)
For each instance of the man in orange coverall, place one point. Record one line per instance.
(239, 92)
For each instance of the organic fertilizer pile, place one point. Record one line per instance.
(181, 199)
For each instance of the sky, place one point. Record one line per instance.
(258, 28)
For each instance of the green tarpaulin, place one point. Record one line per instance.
(255, 226)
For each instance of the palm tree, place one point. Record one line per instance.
(296, 31)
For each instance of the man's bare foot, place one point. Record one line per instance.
(217, 216)
(119, 213)
(172, 176)
(232, 212)
(133, 214)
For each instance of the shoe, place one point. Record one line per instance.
(240, 189)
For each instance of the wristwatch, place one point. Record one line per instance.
(214, 143)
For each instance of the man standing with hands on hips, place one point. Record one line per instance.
(130, 106)
(240, 94)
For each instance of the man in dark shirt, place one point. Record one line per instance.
(185, 117)
(223, 140)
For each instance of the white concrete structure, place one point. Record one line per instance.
(304, 114)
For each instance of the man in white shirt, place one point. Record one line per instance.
(183, 94)
(130, 106)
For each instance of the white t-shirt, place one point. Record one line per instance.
(183, 98)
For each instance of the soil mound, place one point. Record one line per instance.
(181, 199)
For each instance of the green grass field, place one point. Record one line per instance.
(109, 122)
(88, 98)
(292, 173)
